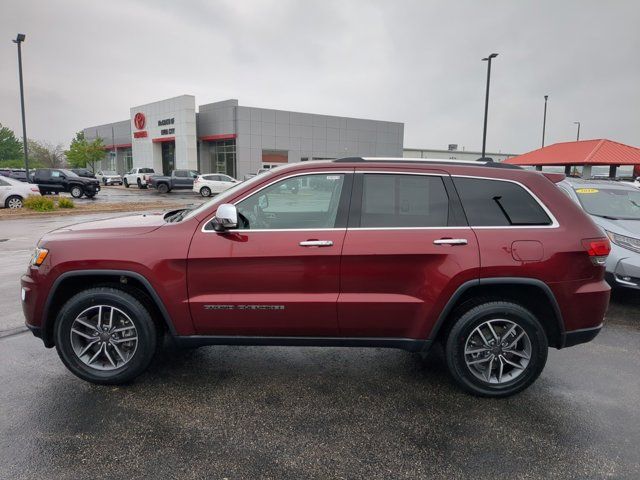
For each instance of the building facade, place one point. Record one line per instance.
(453, 154)
(225, 137)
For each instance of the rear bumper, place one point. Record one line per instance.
(584, 335)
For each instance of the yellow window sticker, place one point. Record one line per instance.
(587, 190)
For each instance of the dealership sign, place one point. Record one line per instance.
(139, 121)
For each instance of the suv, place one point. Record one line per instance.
(494, 263)
(55, 180)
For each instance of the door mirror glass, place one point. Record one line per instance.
(226, 218)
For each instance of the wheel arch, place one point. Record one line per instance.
(70, 283)
(531, 293)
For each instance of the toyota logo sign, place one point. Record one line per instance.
(139, 120)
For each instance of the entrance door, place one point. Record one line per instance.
(168, 157)
(277, 274)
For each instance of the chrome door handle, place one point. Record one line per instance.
(450, 241)
(316, 243)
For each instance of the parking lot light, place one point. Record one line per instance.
(19, 39)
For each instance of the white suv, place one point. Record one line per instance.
(211, 183)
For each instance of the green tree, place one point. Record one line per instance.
(83, 153)
(42, 154)
(10, 149)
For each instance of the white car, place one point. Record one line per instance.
(109, 177)
(138, 176)
(13, 192)
(211, 183)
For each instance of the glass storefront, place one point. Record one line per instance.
(223, 157)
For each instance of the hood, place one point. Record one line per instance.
(116, 226)
(630, 228)
(83, 179)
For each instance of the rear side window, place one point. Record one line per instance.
(403, 201)
(490, 203)
(181, 173)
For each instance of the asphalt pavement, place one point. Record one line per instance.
(271, 412)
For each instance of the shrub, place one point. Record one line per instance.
(65, 203)
(39, 204)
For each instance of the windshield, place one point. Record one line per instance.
(614, 203)
(220, 198)
(109, 172)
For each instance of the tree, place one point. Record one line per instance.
(82, 152)
(42, 154)
(10, 149)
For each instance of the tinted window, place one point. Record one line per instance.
(498, 203)
(403, 201)
(180, 173)
(145, 170)
(209, 177)
(306, 201)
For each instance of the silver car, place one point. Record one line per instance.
(615, 207)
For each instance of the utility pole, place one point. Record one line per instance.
(19, 39)
(544, 118)
(578, 135)
(486, 101)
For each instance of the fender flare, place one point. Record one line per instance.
(92, 272)
(501, 281)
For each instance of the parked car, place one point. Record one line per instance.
(138, 176)
(15, 173)
(109, 177)
(491, 261)
(55, 180)
(178, 180)
(615, 207)
(83, 172)
(206, 185)
(13, 192)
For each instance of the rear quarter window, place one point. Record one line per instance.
(489, 203)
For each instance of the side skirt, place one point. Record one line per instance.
(409, 344)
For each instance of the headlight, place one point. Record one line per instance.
(39, 256)
(623, 241)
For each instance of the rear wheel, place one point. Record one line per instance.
(496, 349)
(139, 182)
(126, 184)
(163, 188)
(205, 191)
(76, 191)
(104, 335)
(14, 201)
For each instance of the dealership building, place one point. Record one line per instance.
(224, 137)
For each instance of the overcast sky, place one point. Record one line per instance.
(417, 62)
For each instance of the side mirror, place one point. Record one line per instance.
(226, 218)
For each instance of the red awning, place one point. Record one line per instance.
(222, 136)
(163, 139)
(584, 152)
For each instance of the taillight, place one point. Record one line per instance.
(598, 249)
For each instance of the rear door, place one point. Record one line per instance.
(407, 249)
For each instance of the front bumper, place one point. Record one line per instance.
(113, 181)
(623, 268)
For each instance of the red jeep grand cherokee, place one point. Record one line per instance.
(495, 263)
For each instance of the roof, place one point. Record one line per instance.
(584, 152)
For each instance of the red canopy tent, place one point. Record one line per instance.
(583, 152)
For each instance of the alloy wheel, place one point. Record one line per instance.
(14, 202)
(497, 351)
(104, 337)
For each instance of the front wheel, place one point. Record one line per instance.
(76, 192)
(106, 336)
(496, 349)
(205, 191)
(126, 183)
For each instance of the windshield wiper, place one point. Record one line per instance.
(608, 217)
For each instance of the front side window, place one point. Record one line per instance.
(305, 201)
(498, 203)
(390, 200)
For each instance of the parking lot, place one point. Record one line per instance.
(246, 412)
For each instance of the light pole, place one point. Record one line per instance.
(578, 135)
(486, 101)
(19, 39)
(544, 118)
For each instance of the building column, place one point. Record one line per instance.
(586, 171)
(567, 169)
(539, 168)
(612, 171)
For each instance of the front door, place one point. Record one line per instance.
(168, 157)
(278, 273)
(406, 248)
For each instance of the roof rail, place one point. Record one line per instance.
(482, 162)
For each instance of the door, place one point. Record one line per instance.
(57, 181)
(5, 190)
(406, 250)
(278, 273)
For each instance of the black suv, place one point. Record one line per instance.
(83, 172)
(54, 180)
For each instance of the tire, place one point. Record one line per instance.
(163, 188)
(139, 182)
(130, 311)
(90, 195)
(14, 202)
(126, 183)
(205, 191)
(104, 182)
(76, 191)
(463, 337)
